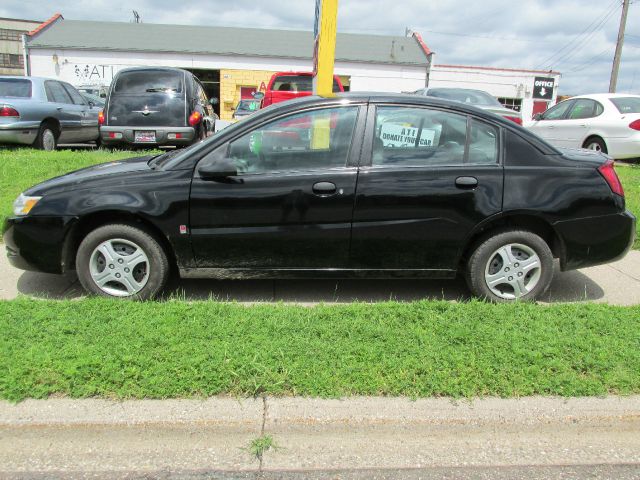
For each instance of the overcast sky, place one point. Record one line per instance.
(575, 37)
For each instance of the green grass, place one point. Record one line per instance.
(24, 168)
(260, 445)
(119, 349)
(630, 177)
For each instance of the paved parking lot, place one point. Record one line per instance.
(617, 283)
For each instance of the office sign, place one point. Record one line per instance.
(543, 88)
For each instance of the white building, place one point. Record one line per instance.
(234, 62)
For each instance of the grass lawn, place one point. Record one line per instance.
(21, 168)
(120, 349)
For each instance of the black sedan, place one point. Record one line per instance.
(378, 186)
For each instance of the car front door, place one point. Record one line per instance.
(427, 178)
(89, 115)
(551, 124)
(291, 202)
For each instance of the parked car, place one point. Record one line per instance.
(607, 122)
(478, 98)
(361, 185)
(93, 100)
(152, 106)
(246, 107)
(285, 86)
(44, 112)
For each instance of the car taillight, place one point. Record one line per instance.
(610, 175)
(100, 117)
(517, 120)
(635, 124)
(195, 118)
(8, 112)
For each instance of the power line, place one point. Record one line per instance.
(611, 7)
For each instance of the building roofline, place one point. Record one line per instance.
(46, 24)
(500, 69)
(427, 51)
(21, 20)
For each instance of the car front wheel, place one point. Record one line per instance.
(122, 261)
(513, 265)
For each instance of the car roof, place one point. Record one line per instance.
(152, 67)
(599, 96)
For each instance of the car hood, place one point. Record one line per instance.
(87, 177)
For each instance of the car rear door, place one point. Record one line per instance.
(290, 205)
(68, 114)
(89, 115)
(579, 120)
(428, 177)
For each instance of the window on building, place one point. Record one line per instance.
(11, 35)
(11, 61)
(512, 103)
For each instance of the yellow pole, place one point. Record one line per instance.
(325, 47)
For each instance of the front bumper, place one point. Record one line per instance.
(596, 240)
(37, 242)
(22, 133)
(128, 135)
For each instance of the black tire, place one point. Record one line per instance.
(595, 143)
(158, 263)
(47, 138)
(487, 250)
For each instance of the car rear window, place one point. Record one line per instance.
(473, 97)
(297, 83)
(627, 104)
(149, 81)
(15, 87)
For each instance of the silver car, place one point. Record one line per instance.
(44, 112)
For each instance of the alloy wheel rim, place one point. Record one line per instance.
(48, 140)
(119, 267)
(594, 146)
(513, 271)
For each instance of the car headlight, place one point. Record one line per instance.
(23, 205)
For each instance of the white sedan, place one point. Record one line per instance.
(606, 122)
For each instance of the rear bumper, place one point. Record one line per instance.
(128, 135)
(37, 243)
(22, 133)
(596, 240)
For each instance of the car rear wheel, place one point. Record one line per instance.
(513, 265)
(595, 143)
(122, 261)
(46, 139)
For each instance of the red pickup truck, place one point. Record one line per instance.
(287, 85)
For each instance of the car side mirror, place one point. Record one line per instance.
(214, 101)
(223, 168)
(258, 95)
(537, 116)
(91, 104)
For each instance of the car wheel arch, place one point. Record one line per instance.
(594, 136)
(54, 123)
(93, 220)
(521, 220)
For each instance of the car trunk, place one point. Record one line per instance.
(147, 98)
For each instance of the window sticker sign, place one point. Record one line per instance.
(393, 135)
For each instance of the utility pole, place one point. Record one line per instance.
(616, 59)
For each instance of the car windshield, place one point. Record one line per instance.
(474, 97)
(15, 87)
(149, 81)
(297, 83)
(248, 106)
(627, 104)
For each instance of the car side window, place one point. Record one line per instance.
(56, 92)
(582, 108)
(557, 112)
(75, 96)
(317, 139)
(420, 137)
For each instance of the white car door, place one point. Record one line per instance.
(579, 120)
(551, 122)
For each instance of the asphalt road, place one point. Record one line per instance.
(617, 283)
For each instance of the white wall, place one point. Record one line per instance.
(499, 83)
(80, 67)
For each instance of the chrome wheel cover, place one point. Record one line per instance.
(513, 271)
(119, 267)
(48, 140)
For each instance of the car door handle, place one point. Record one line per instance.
(551, 126)
(466, 182)
(324, 188)
(58, 108)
